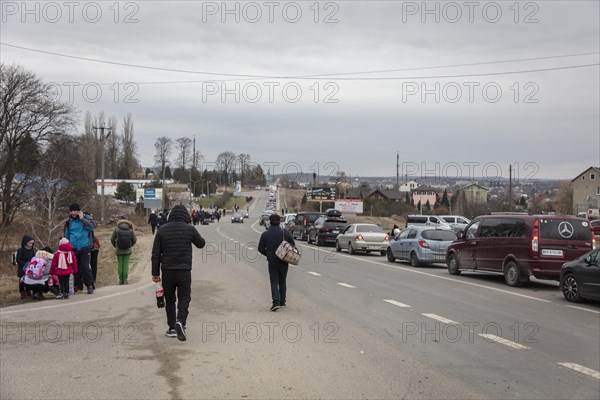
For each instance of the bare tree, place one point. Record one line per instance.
(112, 151)
(129, 163)
(244, 161)
(163, 153)
(184, 151)
(226, 162)
(564, 198)
(30, 114)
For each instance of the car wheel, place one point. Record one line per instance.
(351, 249)
(317, 240)
(308, 239)
(453, 266)
(414, 261)
(302, 236)
(570, 289)
(337, 246)
(512, 275)
(382, 253)
(390, 256)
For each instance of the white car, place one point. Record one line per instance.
(363, 237)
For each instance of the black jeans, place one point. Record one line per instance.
(94, 264)
(63, 281)
(84, 271)
(177, 284)
(277, 275)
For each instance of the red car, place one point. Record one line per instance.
(595, 225)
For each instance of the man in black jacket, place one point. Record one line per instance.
(172, 253)
(278, 269)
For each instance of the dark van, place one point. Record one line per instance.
(304, 219)
(520, 246)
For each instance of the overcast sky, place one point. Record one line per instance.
(340, 85)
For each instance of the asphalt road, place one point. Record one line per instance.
(355, 327)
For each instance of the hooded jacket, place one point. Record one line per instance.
(123, 226)
(172, 248)
(24, 255)
(64, 250)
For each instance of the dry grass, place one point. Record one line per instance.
(107, 264)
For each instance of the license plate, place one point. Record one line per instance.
(550, 252)
(334, 231)
(373, 247)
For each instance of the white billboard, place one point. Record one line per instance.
(349, 206)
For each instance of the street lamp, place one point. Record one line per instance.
(208, 188)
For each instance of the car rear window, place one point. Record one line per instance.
(559, 229)
(438, 235)
(417, 220)
(368, 228)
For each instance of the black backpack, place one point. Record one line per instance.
(124, 239)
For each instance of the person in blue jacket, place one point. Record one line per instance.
(79, 230)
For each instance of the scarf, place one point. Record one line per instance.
(62, 260)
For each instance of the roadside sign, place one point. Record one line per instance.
(320, 194)
(347, 206)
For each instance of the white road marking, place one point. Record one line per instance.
(66, 303)
(314, 273)
(448, 279)
(397, 303)
(441, 319)
(346, 285)
(503, 341)
(582, 369)
(585, 309)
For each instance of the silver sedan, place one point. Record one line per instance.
(363, 237)
(420, 245)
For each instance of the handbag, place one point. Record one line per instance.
(288, 253)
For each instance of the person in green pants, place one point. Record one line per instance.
(123, 239)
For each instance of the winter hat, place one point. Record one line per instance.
(63, 241)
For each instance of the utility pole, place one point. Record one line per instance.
(510, 187)
(102, 138)
(397, 170)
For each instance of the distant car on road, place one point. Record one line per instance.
(595, 225)
(580, 278)
(456, 222)
(363, 237)
(288, 221)
(326, 229)
(420, 245)
(237, 217)
(304, 219)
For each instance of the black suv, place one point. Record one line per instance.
(304, 219)
(326, 229)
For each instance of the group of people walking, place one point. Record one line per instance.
(73, 267)
(42, 271)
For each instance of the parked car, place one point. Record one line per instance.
(363, 237)
(595, 225)
(520, 246)
(425, 220)
(237, 217)
(456, 222)
(288, 221)
(304, 219)
(580, 278)
(420, 245)
(325, 230)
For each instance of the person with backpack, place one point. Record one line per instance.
(64, 263)
(37, 273)
(25, 253)
(79, 230)
(123, 239)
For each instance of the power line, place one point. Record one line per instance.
(326, 76)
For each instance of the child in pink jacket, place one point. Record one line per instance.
(63, 265)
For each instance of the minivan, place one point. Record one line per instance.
(304, 219)
(426, 220)
(520, 246)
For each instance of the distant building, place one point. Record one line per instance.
(423, 194)
(409, 186)
(474, 194)
(586, 190)
(110, 185)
